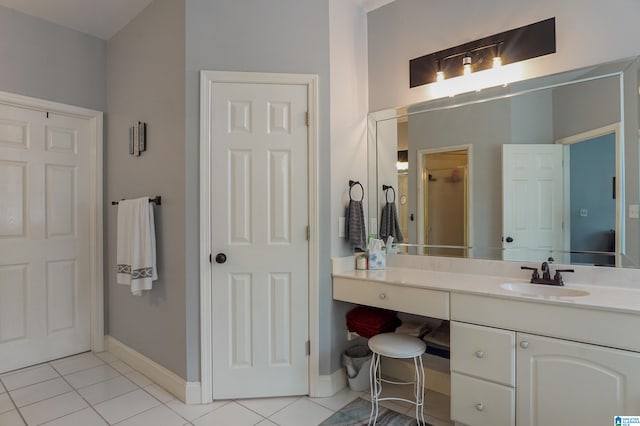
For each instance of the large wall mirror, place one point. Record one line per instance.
(535, 170)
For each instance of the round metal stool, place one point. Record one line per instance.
(392, 345)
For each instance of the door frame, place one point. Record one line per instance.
(96, 205)
(469, 195)
(620, 194)
(207, 79)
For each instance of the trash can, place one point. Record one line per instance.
(357, 361)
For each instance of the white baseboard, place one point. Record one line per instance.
(329, 385)
(187, 392)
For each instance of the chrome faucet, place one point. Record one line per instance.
(546, 275)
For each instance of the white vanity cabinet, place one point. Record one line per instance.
(563, 382)
(524, 361)
(557, 380)
(482, 375)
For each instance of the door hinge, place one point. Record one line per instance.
(307, 347)
(308, 233)
(306, 118)
(210, 258)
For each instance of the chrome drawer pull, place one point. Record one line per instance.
(382, 296)
(479, 354)
(479, 407)
(524, 344)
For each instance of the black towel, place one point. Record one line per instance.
(355, 232)
(389, 223)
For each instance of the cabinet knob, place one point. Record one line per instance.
(524, 344)
(480, 407)
(382, 296)
(479, 354)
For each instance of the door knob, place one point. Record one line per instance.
(221, 258)
(509, 240)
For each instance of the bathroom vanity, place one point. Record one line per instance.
(521, 354)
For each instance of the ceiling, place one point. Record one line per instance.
(104, 18)
(100, 18)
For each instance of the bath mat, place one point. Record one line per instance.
(357, 414)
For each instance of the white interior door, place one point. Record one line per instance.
(259, 222)
(44, 236)
(532, 203)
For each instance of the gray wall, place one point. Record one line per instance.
(145, 82)
(348, 105)
(588, 32)
(287, 36)
(46, 61)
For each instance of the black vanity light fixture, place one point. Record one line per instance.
(508, 47)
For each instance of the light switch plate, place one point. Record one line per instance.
(634, 211)
(584, 212)
(341, 227)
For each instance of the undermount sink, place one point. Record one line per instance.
(543, 290)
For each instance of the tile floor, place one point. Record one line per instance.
(99, 389)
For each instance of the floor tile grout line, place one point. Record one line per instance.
(31, 384)
(272, 414)
(78, 371)
(85, 400)
(16, 408)
(55, 418)
(37, 384)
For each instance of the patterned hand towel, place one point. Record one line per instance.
(136, 249)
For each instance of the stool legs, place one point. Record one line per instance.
(375, 380)
(376, 387)
(419, 390)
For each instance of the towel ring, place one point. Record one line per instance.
(386, 189)
(353, 183)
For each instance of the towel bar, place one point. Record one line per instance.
(157, 200)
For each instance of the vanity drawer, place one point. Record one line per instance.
(484, 352)
(480, 403)
(413, 300)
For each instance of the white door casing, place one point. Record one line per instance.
(258, 180)
(619, 189)
(50, 231)
(532, 202)
(420, 155)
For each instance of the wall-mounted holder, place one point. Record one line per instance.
(137, 138)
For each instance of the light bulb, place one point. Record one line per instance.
(440, 76)
(466, 65)
(497, 62)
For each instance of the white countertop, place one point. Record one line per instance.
(608, 298)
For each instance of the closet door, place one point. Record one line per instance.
(259, 238)
(44, 236)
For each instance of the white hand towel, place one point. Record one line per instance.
(136, 250)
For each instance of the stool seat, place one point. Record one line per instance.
(394, 345)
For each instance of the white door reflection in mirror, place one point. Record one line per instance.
(532, 202)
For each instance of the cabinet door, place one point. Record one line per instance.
(563, 382)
